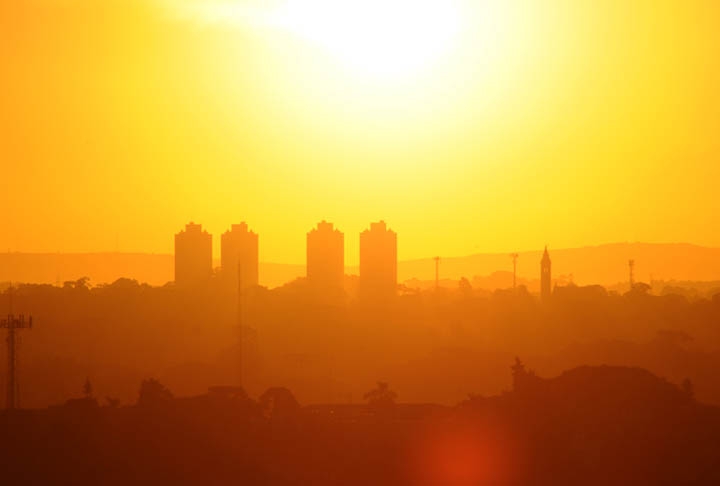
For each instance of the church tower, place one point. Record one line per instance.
(545, 277)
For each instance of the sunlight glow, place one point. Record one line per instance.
(376, 37)
(379, 38)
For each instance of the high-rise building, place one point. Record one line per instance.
(239, 246)
(545, 277)
(325, 257)
(193, 256)
(378, 262)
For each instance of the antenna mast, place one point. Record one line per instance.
(13, 324)
(514, 257)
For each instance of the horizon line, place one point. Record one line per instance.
(407, 260)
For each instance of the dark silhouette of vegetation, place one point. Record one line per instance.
(153, 394)
(278, 402)
(523, 379)
(589, 425)
(427, 344)
(381, 399)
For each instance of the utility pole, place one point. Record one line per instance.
(13, 323)
(514, 257)
(437, 273)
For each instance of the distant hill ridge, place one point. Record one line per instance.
(602, 264)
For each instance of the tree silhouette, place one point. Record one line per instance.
(641, 288)
(465, 287)
(278, 402)
(522, 377)
(83, 283)
(381, 397)
(153, 394)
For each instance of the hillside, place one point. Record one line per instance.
(602, 264)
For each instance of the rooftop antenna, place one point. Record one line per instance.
(514, 257)
(13, 323)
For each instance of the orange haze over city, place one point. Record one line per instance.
(360, 242)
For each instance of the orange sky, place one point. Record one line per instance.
(555, 121)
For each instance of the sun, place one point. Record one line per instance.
(378, 38)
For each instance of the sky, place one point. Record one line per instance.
(469, 126)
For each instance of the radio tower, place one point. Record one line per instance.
(437, 273)
(514, 257)
(13, 324)
(631, 265)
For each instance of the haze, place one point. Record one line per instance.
(360, 242)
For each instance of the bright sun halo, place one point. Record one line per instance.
(380, 38)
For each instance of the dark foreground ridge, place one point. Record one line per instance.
(589, 426)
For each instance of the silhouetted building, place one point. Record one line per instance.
(545, 277)
(239, 246)
(193, 256)
(378, 262)
(325, 257)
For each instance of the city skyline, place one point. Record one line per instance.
(360, 242)
(602, 264)
(325, 259)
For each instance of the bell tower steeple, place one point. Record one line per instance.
(545, 276)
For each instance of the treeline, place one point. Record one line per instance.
(331, 348)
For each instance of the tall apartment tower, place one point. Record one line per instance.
(545, 277)
(378, 262)
(325, 257)
(239, 246)
(193, 256)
